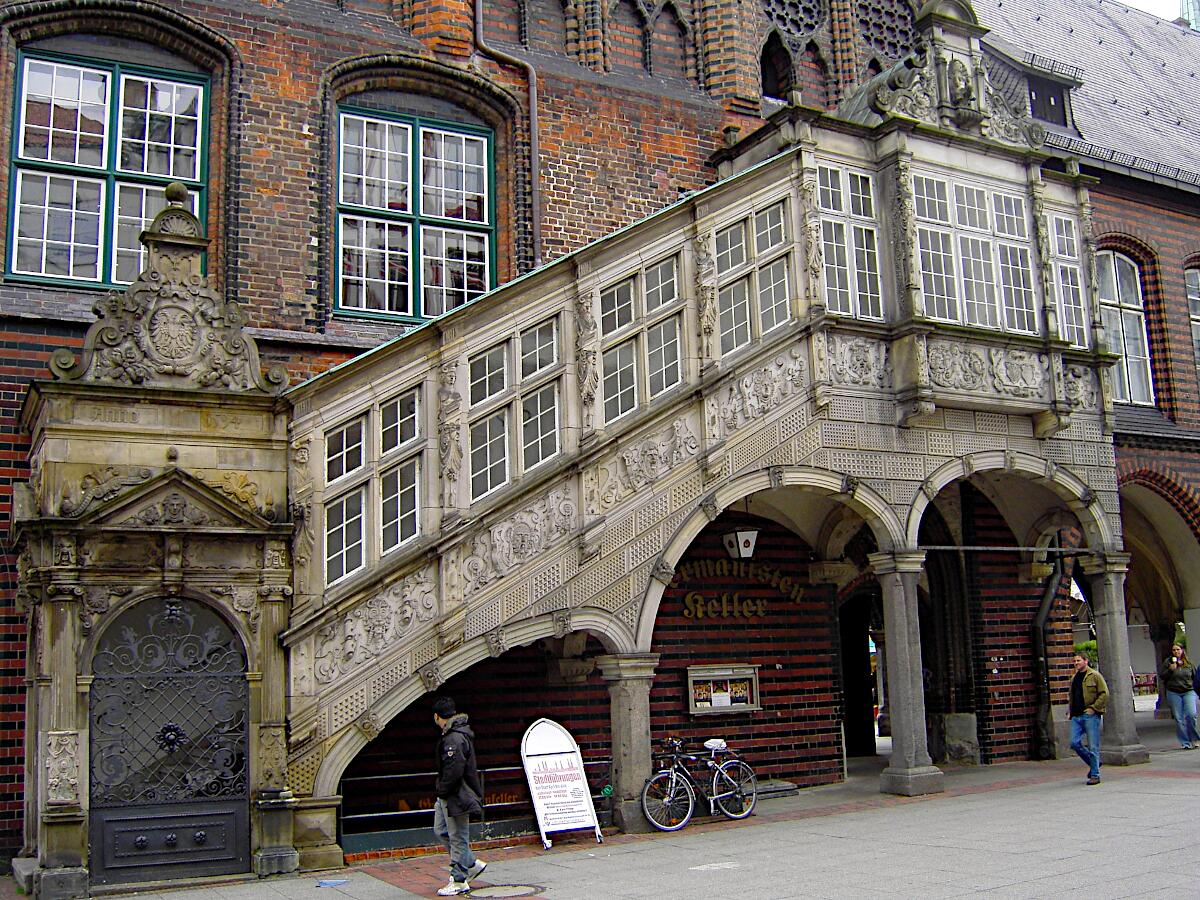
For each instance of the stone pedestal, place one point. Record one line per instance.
(276, 854)
(629, 678)
(910, 771)
(315, 833)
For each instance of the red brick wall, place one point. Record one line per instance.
(797, 734)
(1161, 233)
(1003, 610)
(25, 349)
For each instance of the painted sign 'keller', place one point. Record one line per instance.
(557, 783)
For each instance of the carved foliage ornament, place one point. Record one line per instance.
(518, 539)
(170, 328)
(99, 486)
(641, 465)
(373, 627)
(910, 89)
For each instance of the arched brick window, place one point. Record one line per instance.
(1191, 278)
(548, 26)
(669, 45)
(1124, 313)
(422, 165)
(100, 128)
(775, 66)
(626, 38)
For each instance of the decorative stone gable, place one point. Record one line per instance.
(170, 328)
(946, 81)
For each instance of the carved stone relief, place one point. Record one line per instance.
(640, 465)
(956, 366)
(911, 90)
(756, 393)
(239, 486)
(170, 327)
(706, 295)
(812, 237)
(99, 486)
(587, 371)
(62, 768)
(373, 627)
(431, 675)
(303, 542)
(499, 549)
(272, 755)
(243, 600)
(1019, 373)
(905, 231)
(1080, 387)
(858, 361)
(370, 726)
(174, 509)
(449, 432)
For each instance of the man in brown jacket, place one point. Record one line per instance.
(1089, 697)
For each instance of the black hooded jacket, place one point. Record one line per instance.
(458, 777)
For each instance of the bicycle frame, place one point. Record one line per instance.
(678, 769)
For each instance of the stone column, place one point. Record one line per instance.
(275, 852)
(629, 677)
(1120, 745)
(910, 771)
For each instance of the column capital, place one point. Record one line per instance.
(1106, 562)
(897, 561)
(627, 666)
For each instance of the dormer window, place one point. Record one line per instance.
(1047, 100)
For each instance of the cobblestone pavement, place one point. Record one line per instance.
(1010, 831)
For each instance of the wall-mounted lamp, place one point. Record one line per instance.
(740, 544)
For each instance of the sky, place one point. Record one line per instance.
(1164, 9)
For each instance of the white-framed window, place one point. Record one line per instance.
(1191, 278)
(415, 221)
(489, 453)
(96, 144)
(519, 409)
(344, 535)
(344, 450)
(641, 334)
(849, 243)
(753, 270)
(1068, 275)
(975, 255)
(1124, 317)
(539, 426)
(372, 497)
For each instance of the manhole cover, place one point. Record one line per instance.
(506, 890)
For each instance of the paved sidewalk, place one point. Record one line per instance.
(1021, 830)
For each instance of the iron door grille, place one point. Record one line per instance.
(169, 746)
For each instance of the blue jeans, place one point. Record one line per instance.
(1087, 725)
(1183, 708)
(455, 834)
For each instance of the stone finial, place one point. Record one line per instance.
(170, 328)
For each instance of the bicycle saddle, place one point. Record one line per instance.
(715, 744)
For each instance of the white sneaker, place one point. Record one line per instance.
(453, 889)
(476, 869)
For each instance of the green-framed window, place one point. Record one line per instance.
(95, 143)
(415, 218)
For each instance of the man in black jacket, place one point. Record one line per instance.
(458, 795)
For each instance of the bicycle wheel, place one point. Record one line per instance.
(735, 789)
(668, 801)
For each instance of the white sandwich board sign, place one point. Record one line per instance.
(554, 768)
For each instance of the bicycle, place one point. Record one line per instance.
(669, 795)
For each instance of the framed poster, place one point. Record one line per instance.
(553, 764)
(722, 689)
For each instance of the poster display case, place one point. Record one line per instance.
(713, 690)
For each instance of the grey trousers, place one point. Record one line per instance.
(455, 834)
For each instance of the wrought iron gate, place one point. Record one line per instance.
(169, 751)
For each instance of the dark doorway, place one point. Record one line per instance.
(855, 618)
